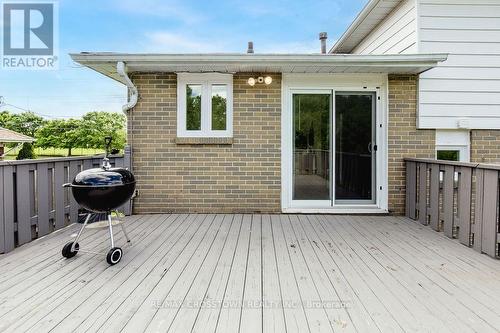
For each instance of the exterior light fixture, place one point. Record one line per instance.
(267, 80)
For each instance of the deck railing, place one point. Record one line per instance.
(460, 199)
(33, 202)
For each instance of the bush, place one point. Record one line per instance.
(26, 152)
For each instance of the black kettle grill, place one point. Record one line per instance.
(101, 190)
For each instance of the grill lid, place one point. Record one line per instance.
(99, 177)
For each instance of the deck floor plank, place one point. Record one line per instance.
(87, 285)
(273, 316)
(206, 318)
(192, 283)
(295, 315)
(253, 273)
(403, 268)
(119, 313)
(481, 317)
(65, 276)
(141, 319)
(125, 281)
(229, 317)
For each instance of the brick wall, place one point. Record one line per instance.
(485, 146)
(404, 140)
(240, 177)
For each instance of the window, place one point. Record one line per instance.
(452, 145)
(204, 105)
(448, 155)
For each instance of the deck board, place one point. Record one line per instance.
(253, 273)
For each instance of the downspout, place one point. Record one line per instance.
(133, 97)
(134, 94)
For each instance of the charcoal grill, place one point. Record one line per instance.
(101, 190)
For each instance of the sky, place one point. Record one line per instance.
(168, 26)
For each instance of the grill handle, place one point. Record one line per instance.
(66, 185)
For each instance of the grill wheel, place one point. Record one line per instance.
(114, 256)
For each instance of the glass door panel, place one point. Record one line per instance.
(311, 147)
(354, 147)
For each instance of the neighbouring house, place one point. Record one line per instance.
(322, 133)
(8, 136)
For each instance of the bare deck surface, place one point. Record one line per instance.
(253, 273)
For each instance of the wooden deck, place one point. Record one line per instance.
(253, 273)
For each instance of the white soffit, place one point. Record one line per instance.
(370, 16)
(105, 63)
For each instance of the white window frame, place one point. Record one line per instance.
(206, 80)
(293, 82)
(463, 151)
(454, 140)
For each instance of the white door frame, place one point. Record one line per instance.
(292, 83)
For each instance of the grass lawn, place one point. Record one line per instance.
(57, 152)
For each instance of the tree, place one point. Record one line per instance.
(26, 152)
(61, 133)
(5, 119)
(88, 132)
(26, 123)
(98, 125)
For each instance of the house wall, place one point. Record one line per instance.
(404, 139)
(240, 177)
(467, 85)
(396, 34)
(244, 176)
(485, 146)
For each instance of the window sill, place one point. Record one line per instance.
(203, 141)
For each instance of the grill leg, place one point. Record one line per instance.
(110, 225)
(125, 232)
(80, 232)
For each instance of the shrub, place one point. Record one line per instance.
(26, 152)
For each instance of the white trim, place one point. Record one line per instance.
(105, 63)
(335, 210)
(454, 140)
(464, 154)
(206, 80)
(337, 82)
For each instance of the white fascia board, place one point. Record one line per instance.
(358, 22)
(105, 63)
(355, 59)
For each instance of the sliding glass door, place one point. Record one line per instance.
(354, 147)
(312, 146)
(333, 147)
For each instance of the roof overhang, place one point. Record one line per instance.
(105, 63)
(9, 136)
(370, 16)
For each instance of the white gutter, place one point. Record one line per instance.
(134, 94)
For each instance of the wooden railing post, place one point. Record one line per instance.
(42, 194)
(448, 209)
(478, 210)
(489, 226)
(422, 193)
(127, 163)
(411, 189)
(23, 204)
(434, 197)
(8, 205)
(464, 205)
